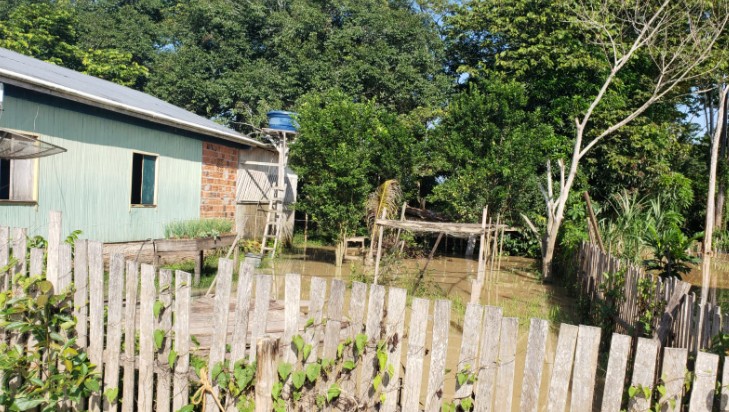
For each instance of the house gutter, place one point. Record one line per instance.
(53, 89)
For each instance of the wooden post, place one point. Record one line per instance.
(81, 295)
(507, 364)
(145, 393)
(379, 246)
(373, 329)
(199, 259)
(292, 308)
(402, 217)
(469, 347)
(583, 383)
(334, 319)
(260, 311)
(164, 323)
(593, 221)
(315, 332)
(242, 311)
(267, 356)
(436, 376)
(477, 284)
(705, 369)
(394, 326)
(416, 351)
(488, 358)
(562, 371)
(533, 365)
(220, 327)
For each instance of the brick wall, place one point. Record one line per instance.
(219, 168)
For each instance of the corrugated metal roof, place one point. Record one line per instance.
(27, 72)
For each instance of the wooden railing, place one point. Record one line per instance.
(414, 334)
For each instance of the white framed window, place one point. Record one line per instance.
(144, 179)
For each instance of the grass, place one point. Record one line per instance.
(196, 228)
(209, 270)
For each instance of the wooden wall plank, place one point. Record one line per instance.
(260, 311)
(164, 323)
(644, 372)
(438, 351)
(395, 326)
(145, 388)
(113, 326)
(612, 397)
(507, 362)
(96, 314)
(534, 364)
(673, 374)
(180, 391)
(583, 381)
(221, 311)
(130, 335)
(702, 389)
(416, 352)
(488, 358)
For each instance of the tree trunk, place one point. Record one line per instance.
(549, 245)
(721, 192)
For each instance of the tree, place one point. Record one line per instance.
(678, 36)
(344, 151)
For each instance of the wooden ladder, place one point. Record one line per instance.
(274, 220)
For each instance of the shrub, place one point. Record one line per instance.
(194, 228)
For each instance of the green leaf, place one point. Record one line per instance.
(661, 390)
(298, 379)
(631, 391)
(92, 384)
(313, 371)
(381, 360)
(340, 350)
(348, 365)
(333, 392)
(461, 378)
(307, 351)
(45, 286)
(284, 370)
(24, 404)
(172, 357)
(360, 342)
(111, 394)
(309, 322)
(320, 399)
(298, 342)
(376, 382)
(159, 336)
(187, 408)
(276, 390)
(466, 404)
(158, 306)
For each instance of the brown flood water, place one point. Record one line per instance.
(514, 288)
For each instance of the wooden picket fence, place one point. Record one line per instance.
(685, 330)
(416, 337)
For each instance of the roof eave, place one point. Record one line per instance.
(42, 86)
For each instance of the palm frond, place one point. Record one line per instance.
(387, 197)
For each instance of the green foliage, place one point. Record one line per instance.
(197, 228)
(52, 369)
(344, 150)
(649, 308)
(605, 311)
(49, 31)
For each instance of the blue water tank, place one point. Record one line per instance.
(282, 120)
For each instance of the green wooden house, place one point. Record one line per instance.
(132, 164)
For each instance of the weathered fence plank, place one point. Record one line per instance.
(242, 310)
(315, 332)
(65, 267)
(260, 311)
(221, 311)
(615, 377)
(488, 358)
(438, 351)
(36, 262)
(96, 314)
(644, 372)
(583, 381)
(130, 327)
(334, 319)
(267, 355)
(181, 390)
(467, 360)
(81, 294)
(394, 327)
(562, 369)
(145, 388)
(164, 324)
(507, 364)
(54, 242)
(375, 312)
(673, 374)
(113, 328)
(533, 365)
(292, 308)
(416, 352)
(702, 389)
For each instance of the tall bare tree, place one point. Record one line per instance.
(680, 38)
